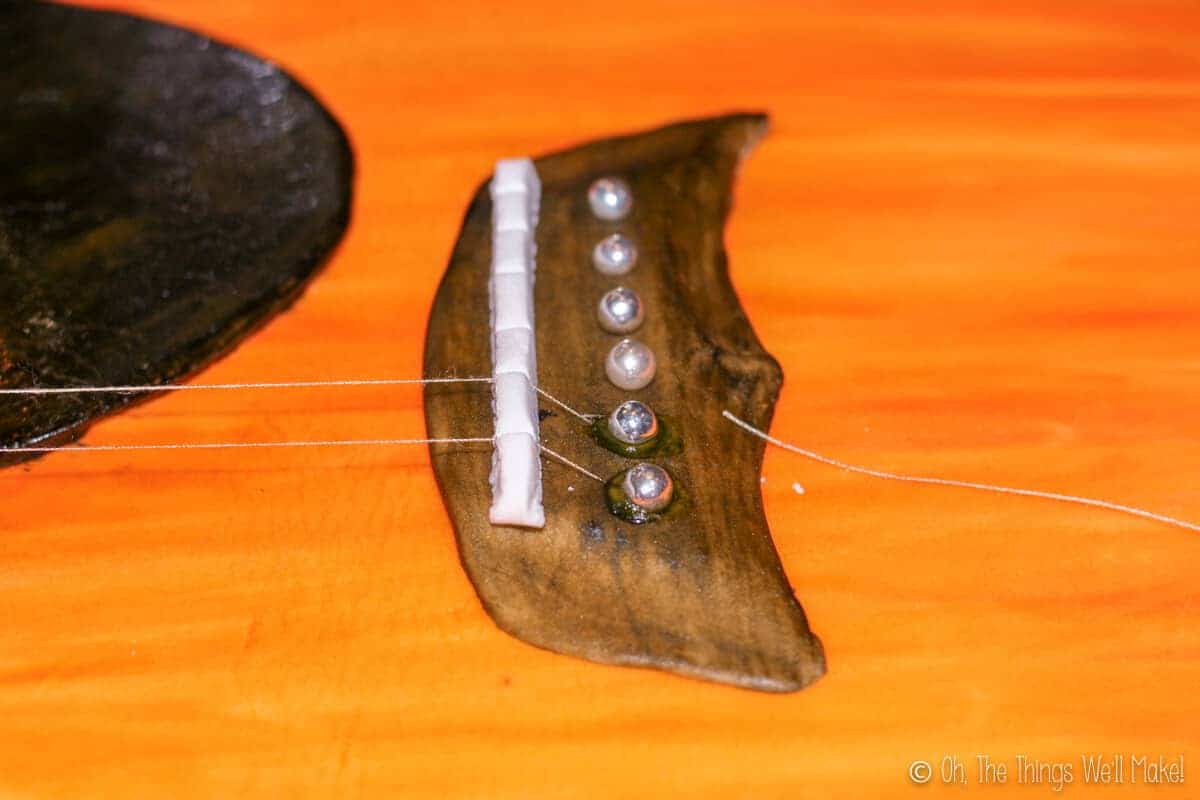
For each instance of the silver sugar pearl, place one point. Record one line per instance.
(648, 486)
(620, 310)
(633, 422)
(614, 255)
(630, 365)
(610, 198)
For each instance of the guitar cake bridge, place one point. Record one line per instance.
(667, 562)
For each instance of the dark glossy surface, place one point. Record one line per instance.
(161, 195)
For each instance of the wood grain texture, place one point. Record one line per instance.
(701, 591)
(970, 241)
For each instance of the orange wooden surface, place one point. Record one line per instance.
(971, 241)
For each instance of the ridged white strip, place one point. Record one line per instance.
(516, 476)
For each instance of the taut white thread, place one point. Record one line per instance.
(588, 418)
(109, 448)
(571, 463)
(97, 448)
(983, 487)
(182, 387)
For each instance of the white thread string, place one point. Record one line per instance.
(180, 387)
(195, 387)
(588, 418)
(109, 448)
(984, 487)
(98, 448)
(183, 387)
(571, 463)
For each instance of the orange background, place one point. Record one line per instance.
(971, 241)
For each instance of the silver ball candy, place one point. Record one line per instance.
(630, 365)
(620, 310)
(633, 422)
(648, 486)
(614, 255)
(610, 198)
